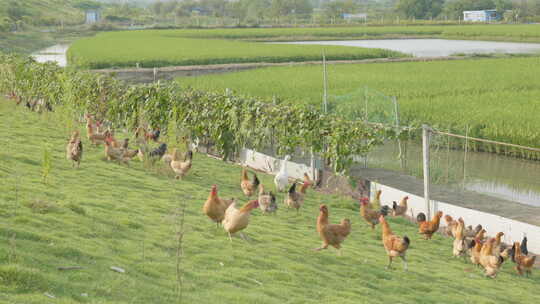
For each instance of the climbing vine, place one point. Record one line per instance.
(231, 122)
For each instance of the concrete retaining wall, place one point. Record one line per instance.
(513, 230)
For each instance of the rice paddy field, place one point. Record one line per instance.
(165, 48)
(495, 98)
(155, 48)
(105, 214)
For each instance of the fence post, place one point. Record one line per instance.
(425, 147)
(155, 74)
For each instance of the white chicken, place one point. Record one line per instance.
(282, 178)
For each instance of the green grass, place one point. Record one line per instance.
(163, 48)
(496, 98)
(100, 215)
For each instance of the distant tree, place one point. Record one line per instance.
(87, 5)
(336, 9)
(420, 9)
(15, 11)
(157, 8)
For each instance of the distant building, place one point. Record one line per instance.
(481, 16)
(93, 16)
(350, 17)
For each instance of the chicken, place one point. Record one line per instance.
(129, 154)
(114, 153)
(481, 235)
(475, 249)
(267, 201)
(181, 168)
(74, 149)
(282, 178)
(141, 132)
(524, 263)
(247, 186)
(400, 209)
(393, 244)
(238, 219)
(295, 199)
(331, 234)
(215, 207)
(497, 245)
(428, 228)
(490, 262)
(376, 203)
(371, 216)
(95, 137)
(459, 246)
(156, 153)
(471, 233)
(307, 180)
(523, 246)
(451, 225)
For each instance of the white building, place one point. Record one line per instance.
(92, 16)
(481, 16)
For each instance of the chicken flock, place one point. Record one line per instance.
(488, 253)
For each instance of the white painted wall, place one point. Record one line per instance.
(513, 230)
(263, 162)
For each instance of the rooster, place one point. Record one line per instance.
(267, 201)
(238, 219)
(181, 168)
(400, 209)
(215, 207)
(74, 149)
(524, 263)
(247, 186)
(393, 244)
(371, 216)
(295, 199)
(428, 228)
(490, 262)
(331, 234)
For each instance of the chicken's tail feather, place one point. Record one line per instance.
(394, 205)
(421, 217)
(406, 240)
(384, 210)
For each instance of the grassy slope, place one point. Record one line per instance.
(496, 97)
(124, 206)
(163, 48)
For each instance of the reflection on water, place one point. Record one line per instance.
(487, 173)
(435, 47)
(55, 53)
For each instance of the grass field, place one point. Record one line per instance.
(496, 98)
(104, 214)
(163, 48)
(153, 48)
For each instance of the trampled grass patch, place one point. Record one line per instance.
(495, 98)
(130, 219)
